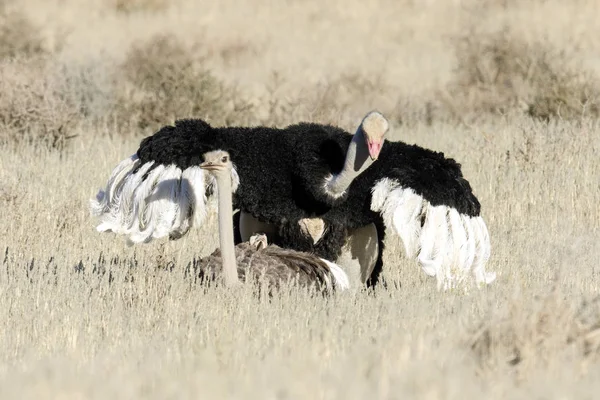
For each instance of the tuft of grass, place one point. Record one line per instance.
(160, 81)
(499, 73)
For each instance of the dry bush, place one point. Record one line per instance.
(34, 107)
(533, 334)
(161, 81)
(499, 73)
(18, 37)
(88, 86)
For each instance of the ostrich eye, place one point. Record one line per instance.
(224, 159)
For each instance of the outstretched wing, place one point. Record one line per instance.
(431, 207)
(160, 191)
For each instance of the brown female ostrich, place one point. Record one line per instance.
(274, 265)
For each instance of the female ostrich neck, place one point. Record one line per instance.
(357, 161)
(230, 273)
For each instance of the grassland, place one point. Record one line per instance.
(510, 89)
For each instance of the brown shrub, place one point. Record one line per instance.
(498, 73)
(33, 105)
(161, 81)
(88, 86)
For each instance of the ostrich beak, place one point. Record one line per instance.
(209, 165)
(374, 149)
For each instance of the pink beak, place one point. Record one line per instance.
(374, 149)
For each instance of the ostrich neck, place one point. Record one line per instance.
(357, 161)
(230, 273)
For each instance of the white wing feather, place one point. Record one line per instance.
(152, 201)
(432, 240)
(105, 197)
(142, 223)
(407, 222)
(470, 243)
(448, 245)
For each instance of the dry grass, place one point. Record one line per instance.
(84, 316)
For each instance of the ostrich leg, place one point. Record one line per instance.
(359, 255)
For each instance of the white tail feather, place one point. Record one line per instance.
(341, 278)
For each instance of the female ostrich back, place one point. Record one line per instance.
(275, 266)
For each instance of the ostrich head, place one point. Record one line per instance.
(363, 150)
(217, 162)
(374, 127)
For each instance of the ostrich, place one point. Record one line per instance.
(311, 187)
(269, 262)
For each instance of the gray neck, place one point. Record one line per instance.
(230, 273)
(357, 161)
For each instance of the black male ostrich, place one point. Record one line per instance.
(306, 176)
